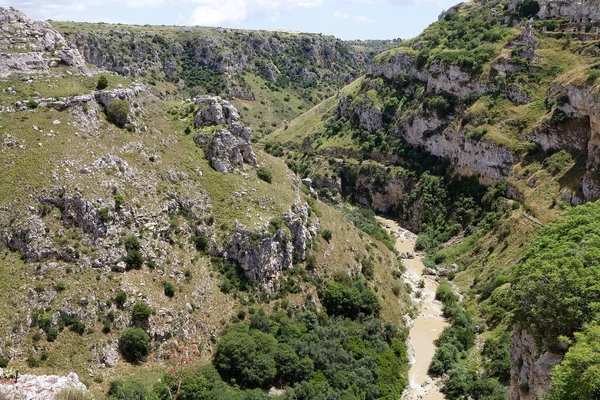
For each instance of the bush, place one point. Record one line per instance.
(134, 344)
(141, 312)
(3, 362)
(169, 289)
(102, 83)
(33, 362)
(52, 334)
(133, 258)
(445, 294)
(593, 74)
(265, 174)
(201, 243)
(32, 104)
(128, 390)
(349, 301)
(78, 327)
(120, 299)
(118, 112)
(327, 235)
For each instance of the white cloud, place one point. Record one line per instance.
(363, 19)
(223, 12)
(219, 12)
(357, 18)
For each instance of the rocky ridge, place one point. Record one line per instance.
(226, 148)
(33, 46)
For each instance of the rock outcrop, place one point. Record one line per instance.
(227, 148)
(33, 46)
(530, 367)
(264, 254)
(581, 11)
(44, 387)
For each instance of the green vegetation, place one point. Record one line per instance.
(118, 112)
(265, 174)
(102, 82)
(169, 289)
(349, 300)
(555, 285)
(578, 375)
(309, 355)
(134, 344)
(364, 219)
(141, 312)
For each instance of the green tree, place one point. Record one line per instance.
(102, 82)
(118, 112)
(577, 377)
(141, 312)
(247, 356)
(264, 173)
(134, 344)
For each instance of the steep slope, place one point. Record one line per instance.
(127, 212)
(496, 92)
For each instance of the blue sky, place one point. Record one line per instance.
(346, 19)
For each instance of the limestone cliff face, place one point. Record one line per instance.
(581, 11)
(530, 367)
(227, 148)
(33, 46)
(263, 255)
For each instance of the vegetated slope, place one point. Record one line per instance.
(131, 222)
(274, 75)
(485, 95)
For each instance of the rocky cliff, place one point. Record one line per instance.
(530, 367)
(33, 46)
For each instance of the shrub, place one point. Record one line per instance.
(128, 390)
(103, 214)
(52, 334)
(102, 82)
(134, 344)
(118, 112)
(133, 258)
(141, 312)
(78, 327)
(33, 362)
(349, 301)
(311, 262)
(445, 294)
(32, 104)
(201, 243)
(593, 74)
(3, 362)
(327, 235)
(169, 289)
(120, 299)
(265, 174)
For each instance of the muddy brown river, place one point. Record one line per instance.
(428, 324)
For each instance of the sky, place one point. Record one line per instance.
(346, 19)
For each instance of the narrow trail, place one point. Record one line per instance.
(428, 324)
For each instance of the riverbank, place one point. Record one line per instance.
(428, 324)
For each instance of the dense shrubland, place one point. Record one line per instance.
(346, 352)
